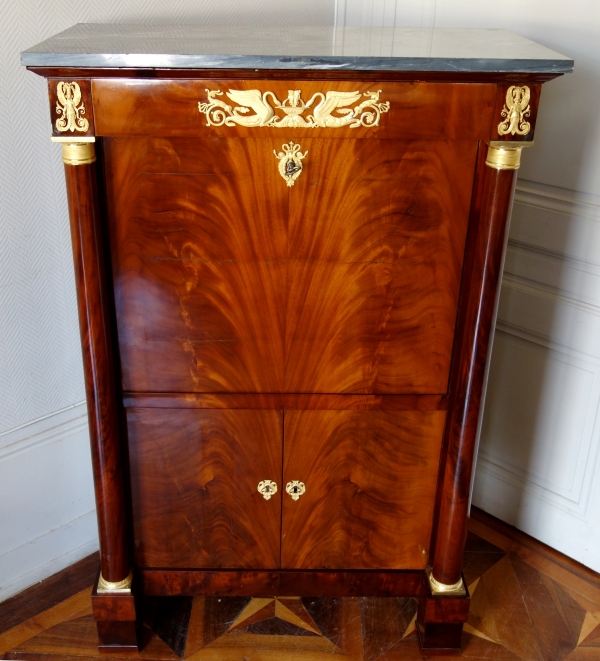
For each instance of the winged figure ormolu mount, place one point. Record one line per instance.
(268, 110)
(515, 111)
(69, 109)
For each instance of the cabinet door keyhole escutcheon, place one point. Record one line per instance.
(267, 488)
(295, 489)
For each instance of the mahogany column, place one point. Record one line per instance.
(445, 609)
(113, 604)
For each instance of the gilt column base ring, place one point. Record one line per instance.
(443, 589)
(118, 587)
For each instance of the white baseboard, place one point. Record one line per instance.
(47, 514)
(47, 554)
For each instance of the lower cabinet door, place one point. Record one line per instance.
(360, 488)
(194, 487)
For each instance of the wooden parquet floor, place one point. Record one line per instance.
(524, 607)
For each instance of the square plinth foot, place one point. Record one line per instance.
(440, 620)
(442, 639)
(115, 616)
(114, 636)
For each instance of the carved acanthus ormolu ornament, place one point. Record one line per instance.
(70, 109)
(292, 109)
(515, 111)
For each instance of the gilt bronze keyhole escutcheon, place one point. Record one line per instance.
(267, 488)
(295, 489)
(290, 162)
(291, 168)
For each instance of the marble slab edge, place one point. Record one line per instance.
(170, 61)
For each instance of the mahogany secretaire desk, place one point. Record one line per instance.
(288, 246)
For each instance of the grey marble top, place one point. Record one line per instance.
(347, 48)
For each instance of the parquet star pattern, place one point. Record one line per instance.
(517, 613)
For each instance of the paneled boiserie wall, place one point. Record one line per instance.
(539, 448)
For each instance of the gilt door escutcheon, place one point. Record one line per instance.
(267, 488)
(295, 489)
(290, 162)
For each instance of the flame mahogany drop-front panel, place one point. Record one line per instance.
(227, 280)
(370, 479)
(194, 478)
(376, 240)
(198, 242)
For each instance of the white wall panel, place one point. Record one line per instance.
(539, 426)
(390, 13)
(47, 514)
(540, 441)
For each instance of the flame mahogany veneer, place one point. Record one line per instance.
(335, 332)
